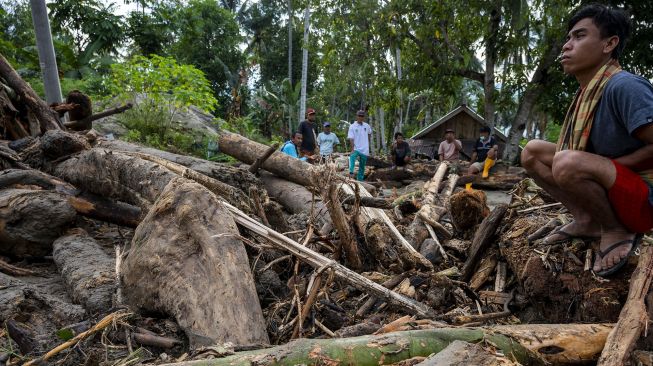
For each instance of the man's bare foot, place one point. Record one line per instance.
(572, 230)
(614, 247)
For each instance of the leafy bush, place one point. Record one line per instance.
(159, 89)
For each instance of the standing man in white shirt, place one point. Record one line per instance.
(359, 139)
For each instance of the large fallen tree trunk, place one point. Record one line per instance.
(278, 163)
(30, 221)
(297, 199)
(87, 270)
(561, 344)
(235, 177)
(85, 204)
(186, 260)
(128, 178)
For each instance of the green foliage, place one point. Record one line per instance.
(163, 81)
(552, 132)
(208, 38)
(160, 87)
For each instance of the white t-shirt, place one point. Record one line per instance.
(360, 134)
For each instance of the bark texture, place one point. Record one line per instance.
(186, 260)
(87, 270)
(235, 177)
(30, 221)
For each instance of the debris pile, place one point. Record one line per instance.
(117, 254)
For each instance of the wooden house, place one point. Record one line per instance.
(464, 121)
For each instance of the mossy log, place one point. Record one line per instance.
(562, 344)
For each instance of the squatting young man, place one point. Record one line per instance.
(601, 169)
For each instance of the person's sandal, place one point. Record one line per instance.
(614, 269)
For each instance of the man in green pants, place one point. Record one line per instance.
(359, 139)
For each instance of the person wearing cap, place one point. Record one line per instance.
(308, 129)
(484, 154)
(327, 140)
(450, 148)
(400, 152)
(359, 139)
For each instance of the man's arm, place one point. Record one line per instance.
(441, 157)
(641, 159)
(474, 156)
(458, 145)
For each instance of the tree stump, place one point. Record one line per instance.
(186, 261)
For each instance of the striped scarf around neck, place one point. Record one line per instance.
(576, 128)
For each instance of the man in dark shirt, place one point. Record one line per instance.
(308, 129)
(484, 153)
(400, 153)
(602, 167)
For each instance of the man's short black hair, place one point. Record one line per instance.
(295, 134)
(397, 134)
(610, 21)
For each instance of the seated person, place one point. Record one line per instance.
(484, 154)
(400, 153)
(450, 148)
(291, 147)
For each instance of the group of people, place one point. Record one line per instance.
(484, 152)
(601, 169)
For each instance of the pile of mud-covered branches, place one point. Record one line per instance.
(117, 254)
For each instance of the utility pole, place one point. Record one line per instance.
(47, 59)
(302, 103)
(290, 30)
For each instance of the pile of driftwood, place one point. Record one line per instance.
(117, 254)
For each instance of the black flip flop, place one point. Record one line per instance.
(614, 269)
(566, 236)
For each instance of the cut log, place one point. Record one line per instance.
(560, 344)
(482, 238)
(373, 224)
(87, 270)
(297, 199)
(186, 261)
(40, 313)
(319, 261)
(30, 221)
(85, 204)
(47, 117)
(468, 208)
(235, 177)
(633, 318)
(281, 164)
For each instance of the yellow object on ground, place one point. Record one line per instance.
(468, 186)
(489, 163)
